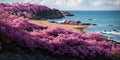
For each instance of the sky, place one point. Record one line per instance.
(75, 4)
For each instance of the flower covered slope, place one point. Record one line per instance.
(57, 40)
(32, 11)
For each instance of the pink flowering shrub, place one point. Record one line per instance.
(19, 22)
(23, 9)
(58, 40)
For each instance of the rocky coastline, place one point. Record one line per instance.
(22, 40)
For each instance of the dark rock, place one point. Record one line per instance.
(110, 25)
(85, 24)
(52, 21)
(94, 24)
(88, 24)
(66, 13)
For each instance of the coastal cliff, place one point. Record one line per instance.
(32, 11)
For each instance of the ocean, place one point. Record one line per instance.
(108, 22)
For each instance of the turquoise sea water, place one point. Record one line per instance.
(105, 20)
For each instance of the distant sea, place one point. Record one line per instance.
(105, 20)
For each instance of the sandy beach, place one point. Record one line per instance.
(75, 28)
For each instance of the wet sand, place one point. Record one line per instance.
(75, 28)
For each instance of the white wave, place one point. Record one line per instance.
(111, 32)
(108, 25)
(101, 25)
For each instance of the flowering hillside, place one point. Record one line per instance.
(33, 11)
(59, 41)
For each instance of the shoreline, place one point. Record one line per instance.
(45, 23)
(74, 28)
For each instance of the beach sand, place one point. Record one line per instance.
(45, 23)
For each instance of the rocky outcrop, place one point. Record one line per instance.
(49, 14)
(66, 13)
